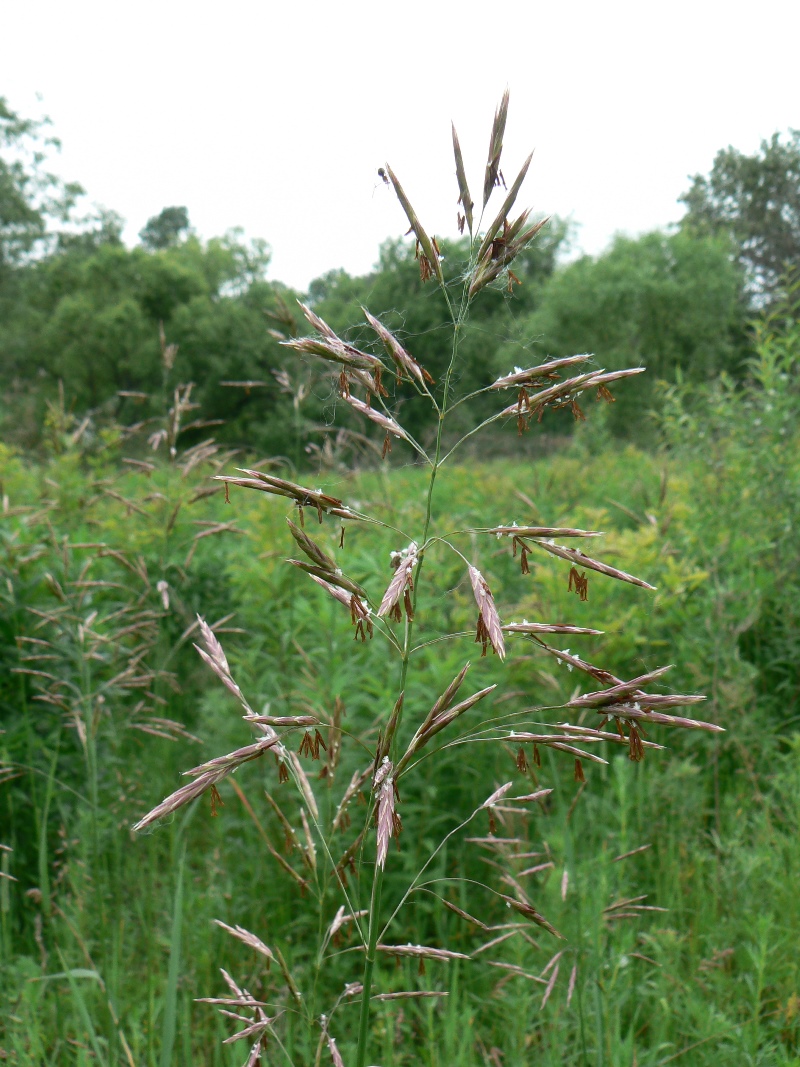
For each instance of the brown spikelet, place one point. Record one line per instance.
(386, 803)
(463, 189)
(386, 422)
(440, 716)
(542, 372)
(493, 176)
(500, 221)
(619, 691)
(421, 952)
(314, 551)
(579, 775)
(208, 775)
(489, 626)
(574, 556)
(213, 654)
(427, 255)
(571, 986)
(401, 582)
(403, 360)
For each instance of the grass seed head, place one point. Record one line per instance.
(489, 626)
(401, 582)
(427, 253)
(493, 175)
(314, 551)
(464, 197)
(404, 361)
(386, 805)
(386, 422)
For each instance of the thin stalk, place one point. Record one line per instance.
(375, 900)
(377, 878)
(369, 966)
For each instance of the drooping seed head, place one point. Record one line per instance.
(403, 359)
(487, 612)
(401, 580)
(386, 422)
(314, 551)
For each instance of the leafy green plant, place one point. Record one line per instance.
(740, 440)
(343, 867)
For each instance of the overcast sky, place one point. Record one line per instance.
(276, 117)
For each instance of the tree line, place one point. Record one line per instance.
(103, 333)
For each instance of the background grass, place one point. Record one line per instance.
(107, 940)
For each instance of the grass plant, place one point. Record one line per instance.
(717, 858)
(341, 866)
(89, 956)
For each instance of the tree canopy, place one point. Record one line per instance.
(670, 302)
(755, 200)
(80, 308)
(31, 198)
(165, 229)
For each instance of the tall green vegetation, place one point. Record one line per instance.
(394, 750)
(722, 824)
(754, 201)
(743, 438)
(671, 303)
(714, 978)
(80, 308)
(104, 943)
(32, 199)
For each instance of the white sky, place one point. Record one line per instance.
(276, 116)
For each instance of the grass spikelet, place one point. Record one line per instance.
(336, 1056)
(464, 197)
(386, 422)
(579, 559)
(384, 784)
(497, 223)
(404, 361)
(489, 626)
(493, 175)
(314, 551)
(430, 254)
(401, 581)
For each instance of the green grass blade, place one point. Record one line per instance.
(83, 1010)
(171, 999)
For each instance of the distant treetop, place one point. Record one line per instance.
(755, 200)
(165, 229)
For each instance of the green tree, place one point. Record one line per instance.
(89, 315)
(165, 229)
(670, 302)
(31, 198)
(756, 201)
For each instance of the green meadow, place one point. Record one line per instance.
(108, 938)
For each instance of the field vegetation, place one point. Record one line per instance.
(672, 879)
